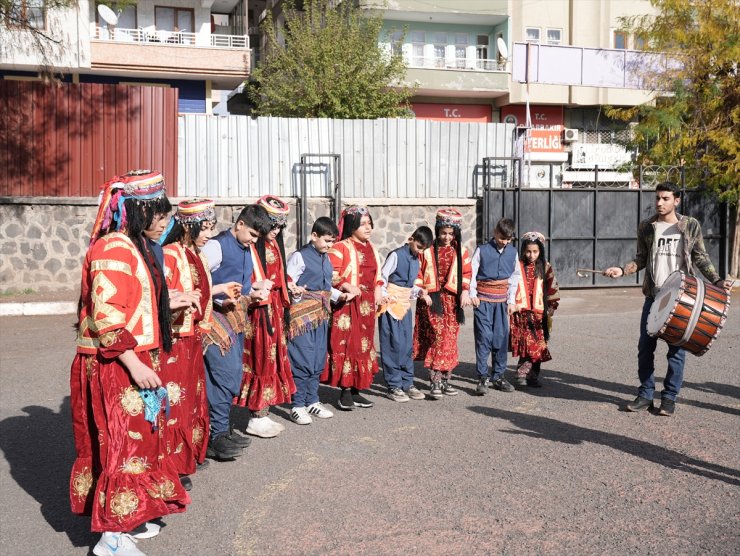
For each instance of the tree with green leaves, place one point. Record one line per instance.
(695, 118)
(326, 63)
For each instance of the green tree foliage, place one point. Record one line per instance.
(695, 119)
(326, 63)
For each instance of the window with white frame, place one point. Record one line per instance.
(461, 49)
(440, 46)
(31, 13)
(481, 50)
(619, 40)
(396, 45)
(532, 34)
(554, 36)
(417, 40)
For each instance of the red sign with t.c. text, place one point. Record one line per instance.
(480, 113)
(545, 135)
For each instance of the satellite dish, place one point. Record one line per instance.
(503, 51)
(107, 14)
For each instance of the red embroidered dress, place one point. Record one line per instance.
(267, 378)
(184, 371)
(527, 337)
(121, 475)
(435, 336)
(352, 360)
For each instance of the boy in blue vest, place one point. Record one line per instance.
(493, 296)
(395, 325)
(310, 312)
(230, 262)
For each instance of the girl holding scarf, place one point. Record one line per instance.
(122, 474)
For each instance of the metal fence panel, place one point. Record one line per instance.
(67, 139)
(595, 228)
(238, 156)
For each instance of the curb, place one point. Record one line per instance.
(37, 308)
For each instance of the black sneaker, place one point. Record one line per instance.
(186, 483)
(237, 439)
(345, 400)
(503, 385)
(483, 385)
(534, 382)
(667, 407)
(448, 389)
(436, 391)
(222, 448)
(638, 404)
(360, 400)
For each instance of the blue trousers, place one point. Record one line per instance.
(491, 332)
(396, 346)
(223, 379)
(646, 362)
(307, 354)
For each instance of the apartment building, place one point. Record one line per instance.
(201, 47)
(459, 56)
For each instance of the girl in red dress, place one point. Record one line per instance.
(186, 271)
(444, 274)
(268, 377)
(122, 474)
(537, 298)
(352, 361)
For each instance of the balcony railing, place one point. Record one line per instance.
(172, 38)
(457, 64)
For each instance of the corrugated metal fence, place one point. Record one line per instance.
(66, 139)
(239, 156)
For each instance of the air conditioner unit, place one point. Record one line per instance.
(570, 135)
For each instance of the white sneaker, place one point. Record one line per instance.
(279, 426)
(263, 427)
(300, 416)
(116, 544)
(319, 410)
(145, 531)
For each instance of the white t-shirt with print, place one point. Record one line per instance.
(668, 254)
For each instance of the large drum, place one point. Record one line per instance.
(688, 312)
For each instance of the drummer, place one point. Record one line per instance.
(666, 242)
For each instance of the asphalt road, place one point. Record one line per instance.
(558, 470)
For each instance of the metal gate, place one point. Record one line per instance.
(595, 227)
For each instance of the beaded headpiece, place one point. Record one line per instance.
(276, 208)
(533, 236)
(352, 210)
(449, 217)
(142, 185)
(196, 210)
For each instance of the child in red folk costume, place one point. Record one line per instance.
(122, 474)
(186, 271)
(444, 274)
(537, 298)
(268, 378)
(352, 361)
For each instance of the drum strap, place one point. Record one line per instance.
(695, 312)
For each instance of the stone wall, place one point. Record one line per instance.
(43, 240)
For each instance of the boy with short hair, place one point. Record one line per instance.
(230, 262)
(493, 296)
(395, 324)
(310, 311)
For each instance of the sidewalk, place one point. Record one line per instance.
(63, 302)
